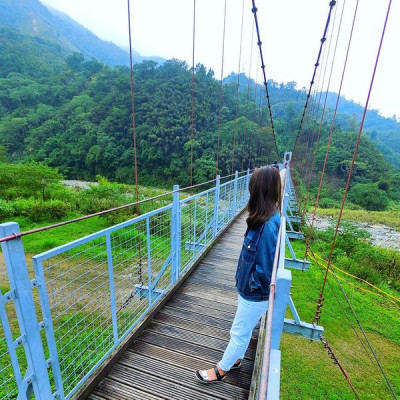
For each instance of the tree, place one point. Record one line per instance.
(369, 195)
(27, 180)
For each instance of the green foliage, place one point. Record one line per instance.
(79, 120)
(37, 211)
(374, 264)
(26, 180)
(6, 210)
(369, 196)
(75, 115)
(102, 197)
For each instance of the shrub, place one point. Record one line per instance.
(6, 210)
(328, 203)
(369, 196)
(104, 196)
(51, 210)
(27, 180)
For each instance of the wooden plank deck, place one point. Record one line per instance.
(191, 331)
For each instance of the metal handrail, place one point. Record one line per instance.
(278, 260)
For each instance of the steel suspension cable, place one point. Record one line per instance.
(325, 99)
(332, 127)
(337, 362)
(345, 314)
(311, 152)
(318, 92)
(259, 43)
(314, 255)
(248, 96)
(134, 138)
(340, 303)
(344, 200)
(323, 39)
(237, 93)
(193, 74)
(255, 109)
(220, 90)
(310, 116)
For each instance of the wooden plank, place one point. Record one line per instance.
(193, 337)
(204, 287)
(210, 282)
(196, 323)
(258, 359)
(215, 273)
(200, 316)
(191, 361)
(219, 267)
(180, 346)
(205, 292)
(109, 389)
(193, 326)
(201, 310)
(182, 377)
(153, 384)
(206, 303)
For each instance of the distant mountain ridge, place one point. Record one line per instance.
(39, 20)
(286, 99)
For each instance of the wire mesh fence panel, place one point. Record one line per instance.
(91, 293)
(19, 325)
(226, 208)
(99, 287)
(159, 253)
(197, 218)
(78, 291)
(8, 380)
(130, 269)
(242, 192)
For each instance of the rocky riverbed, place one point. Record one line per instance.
(80, 184)
(381, 235)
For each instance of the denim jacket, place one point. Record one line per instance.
(253, 274)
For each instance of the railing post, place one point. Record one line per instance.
(285, 204)
(17, 271)
(175, 236)
(216, 203)
(283, 281)
(235, 191)
(112, 287)
(247, 179)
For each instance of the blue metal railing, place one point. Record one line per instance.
(62, 319)
(267, 377)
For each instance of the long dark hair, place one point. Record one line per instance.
(265, 196)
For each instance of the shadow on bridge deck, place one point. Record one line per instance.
(191, 331)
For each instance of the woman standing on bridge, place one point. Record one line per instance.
(253, 274)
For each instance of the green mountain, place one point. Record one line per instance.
(31, 17)
(287, 101)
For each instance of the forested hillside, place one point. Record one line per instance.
(74, 114)
(288, 101)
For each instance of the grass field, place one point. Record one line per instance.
(307, 370)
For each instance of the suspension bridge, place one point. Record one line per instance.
(131, 311)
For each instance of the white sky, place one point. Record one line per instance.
(290, 32)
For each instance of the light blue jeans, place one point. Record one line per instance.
(248, 313)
